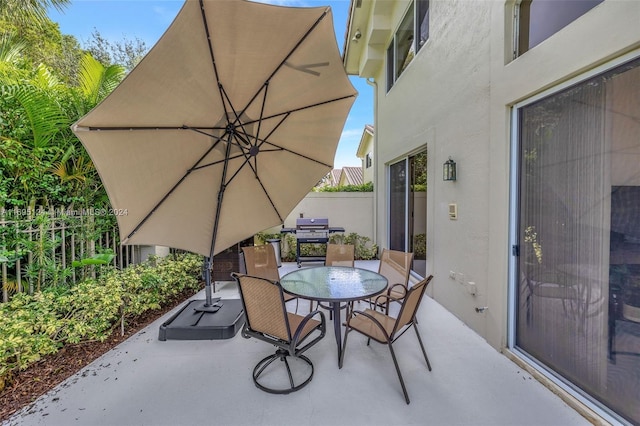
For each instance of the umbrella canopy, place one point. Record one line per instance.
(223, 127)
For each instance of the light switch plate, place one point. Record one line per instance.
(453, 211)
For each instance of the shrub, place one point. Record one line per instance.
(365, 187)
(364, 248)
(39, 324)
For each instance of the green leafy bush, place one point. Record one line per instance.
(36, 325)
(364, 248)
(365, 187)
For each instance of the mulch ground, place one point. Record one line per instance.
(28, 385)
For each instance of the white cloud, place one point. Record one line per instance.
(164, 13)
(351, 134)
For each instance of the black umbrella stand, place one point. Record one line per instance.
(209, 319)
(212, 318)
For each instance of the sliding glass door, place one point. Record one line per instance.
(578, 242)
(407, 208)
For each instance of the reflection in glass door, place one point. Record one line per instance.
(578, 242)
(407, 208)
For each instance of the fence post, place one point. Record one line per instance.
(92, 243)
(52, 228)
(30, 255)
(63, 245)
(73, 254)
(5, 293)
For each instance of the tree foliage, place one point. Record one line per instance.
(46, 83)
(125, 52)
(29, 11)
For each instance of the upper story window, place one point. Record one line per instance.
(368, 160)
(405, 44)
(537, 20)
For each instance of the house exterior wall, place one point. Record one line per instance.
(440, 102)
(366, 148)
(455, 99)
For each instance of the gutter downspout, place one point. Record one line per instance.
(372, 82)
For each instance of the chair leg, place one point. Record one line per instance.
(395, 362)
(286, 363)
(424, 352)
(281, 355)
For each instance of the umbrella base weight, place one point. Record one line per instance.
(196, 321)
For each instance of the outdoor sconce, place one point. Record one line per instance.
(449, 170)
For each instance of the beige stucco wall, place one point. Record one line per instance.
(367, 148)
(440, 102)
(349, 210)
(455, 99)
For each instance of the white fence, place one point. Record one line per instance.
(41, 245)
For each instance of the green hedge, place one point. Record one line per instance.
(364, 248)
(38, 325)
(365, 187)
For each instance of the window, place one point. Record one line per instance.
(540, 19)
(578, 244)
(404, 44)
(368, 160)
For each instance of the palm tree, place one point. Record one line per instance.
(27, 11)
(96, 81)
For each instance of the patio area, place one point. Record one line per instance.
(145, 381)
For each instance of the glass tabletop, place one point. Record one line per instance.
(333, 283)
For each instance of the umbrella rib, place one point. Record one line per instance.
(121, 128)
(255, 173)
(303, 38)
(164, 198)
(233, 157)
(265, 140)
(302, 108)
(264, 102)
(213, 58)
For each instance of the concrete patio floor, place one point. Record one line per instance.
(145, 381)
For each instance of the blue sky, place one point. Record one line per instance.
(148, 20)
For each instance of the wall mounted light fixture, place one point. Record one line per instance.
(449, 170)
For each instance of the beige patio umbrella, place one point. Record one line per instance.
(223, 127)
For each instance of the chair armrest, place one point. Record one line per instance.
(378, 302)
(400, 288)
(370, 317)
(296, 336)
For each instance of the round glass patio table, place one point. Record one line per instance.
(335, 285)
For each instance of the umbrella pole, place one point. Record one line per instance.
(208, 306)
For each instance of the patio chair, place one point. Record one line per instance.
(260, 261)
(340, 255)
(395, 266)
(268, 320)
(385, 329)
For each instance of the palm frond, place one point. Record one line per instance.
(11, 48)
(96, 80)
(45, 115)
(29, 11)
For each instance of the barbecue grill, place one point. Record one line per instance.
(311, 231)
